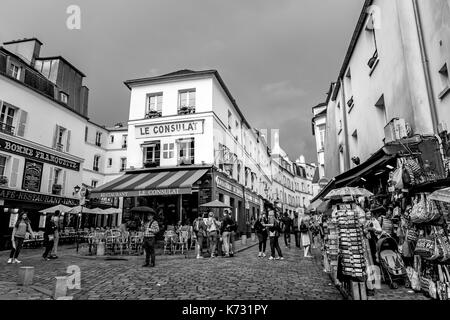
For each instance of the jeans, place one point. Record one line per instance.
(287, 238)
(19, 244)
(275, 245)
(55, 243)
(232, 241)
(199, 244)
(226, 241)
(262, 239)
(149, 247)
(48, 246)
(212, 236)
(297, 237)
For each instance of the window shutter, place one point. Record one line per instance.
(50, 180)
(14, 173)
(22, 123)
(68, 141)
(63, 189)
(55, 136)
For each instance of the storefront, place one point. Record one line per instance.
(252, 208)
(174, 193)
(232, 193)
(12, 201)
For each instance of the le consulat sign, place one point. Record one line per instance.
(170, 129)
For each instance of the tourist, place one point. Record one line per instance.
(150, 228)
(226, 232)
(287, 225)
(212, 229)
(261, 233)
(55, 220)
(295, 229)
(233, 231)
(219, 241)
(49, 238)
(200, 233)
(305, 236)
(20, 229)
(274, 234)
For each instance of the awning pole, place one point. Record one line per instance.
(180, 207)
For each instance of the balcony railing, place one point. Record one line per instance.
(185, 161)
(153, 114)
(151, 164)
(186, 110)
(59, 147)
(6, 128)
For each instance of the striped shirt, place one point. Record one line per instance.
(151, 228)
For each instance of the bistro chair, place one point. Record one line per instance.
(181, 244)
(193, 241)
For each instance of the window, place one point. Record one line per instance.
(443, 74)
(56, 190)
(168, 150)
(111, 139)
(86, 132)
(123, 164)
(185, 151)
(94, 183)
(239, 172)
(60, 138)
(64, 97)
(110, 162)
(229, 119)
(124, 141)
(152, 154)
(7, 118)
(186, 101)
(3, 160)
(98, 139)
(321, 137)
(370, 27)
(154, 105)
(96, 162)
(15, 71)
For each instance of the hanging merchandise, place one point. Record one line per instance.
(419, 210)
(425, 246)
(442, 289)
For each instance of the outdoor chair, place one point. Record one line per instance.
(181, 244)
(193, 242)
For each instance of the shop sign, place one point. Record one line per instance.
(170, 129)
(228, 186)
(17, 195)
(323, 182)
(250, 197)
(142, 193)
(32, 176)
(35, 154)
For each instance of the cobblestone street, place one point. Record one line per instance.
(244, 276)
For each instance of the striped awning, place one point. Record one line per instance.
(141, 184)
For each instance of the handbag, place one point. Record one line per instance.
(425, 247)
(419, 210)
(412, 234)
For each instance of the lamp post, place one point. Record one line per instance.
(80, 215)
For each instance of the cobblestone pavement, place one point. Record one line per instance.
(244, 276)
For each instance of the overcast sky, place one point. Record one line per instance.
(276, 57)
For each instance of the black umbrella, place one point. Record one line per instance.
(143, 209)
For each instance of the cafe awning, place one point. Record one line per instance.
(140, 183)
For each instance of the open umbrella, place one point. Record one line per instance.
(112, 210)
(348, 192)
(442, 195)
(60, 207)
(143, 209)
(215, 204)
(79, 209)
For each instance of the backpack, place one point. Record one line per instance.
(303, 227)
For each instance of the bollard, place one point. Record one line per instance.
(26, 275)
(244, 239)
(101, 249)
(61, 287)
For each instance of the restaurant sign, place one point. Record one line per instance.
(32, 176)
(251, 198)
(141, 193)
(40, 198)
(228, 186)
(36, 154)
(170, 129)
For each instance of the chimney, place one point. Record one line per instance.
(27, 49)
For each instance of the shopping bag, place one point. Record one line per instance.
(419, 210)
(441, 285)
(425, 247)
(397, 178)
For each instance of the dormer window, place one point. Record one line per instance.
(15, 71)
(64, 97)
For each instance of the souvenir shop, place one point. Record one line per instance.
(399, 231)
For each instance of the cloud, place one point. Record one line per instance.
(282, 90)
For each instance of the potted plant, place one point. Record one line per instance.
(150, 164)
(3, 180)
(153, 114)
(56, 188)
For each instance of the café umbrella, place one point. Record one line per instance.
(348, 192)
(215, 204)
(60, 207)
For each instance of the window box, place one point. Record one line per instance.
(5, 128)
(153, 114)
(4, 180)
(185, 161)
(186, 110)
(56, 189)
(150, 164)
(59, 146)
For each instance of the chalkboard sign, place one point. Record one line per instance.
(32, 176)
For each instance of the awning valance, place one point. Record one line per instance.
(154, 183)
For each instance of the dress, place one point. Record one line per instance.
(306, 241)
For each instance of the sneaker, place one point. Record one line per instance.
(271, 258)
(259, 255)
(277, 258)
(263, 255)
(17, 261)
(10, 260)
(281, 258)
(146, 265)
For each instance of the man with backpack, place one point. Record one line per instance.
(151, 229)
(200, 233)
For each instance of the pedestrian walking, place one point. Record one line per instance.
(49, 238)
(151, 229)
(274, 234)
(55, 220)
(200, 233)
(233, 231)
(226, 232)
(305, 236)
(287, 226)
(213, 228)
(295, 227)
(21, 227)
(261, 233)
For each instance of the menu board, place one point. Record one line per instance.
(13, 219)
(32, 176)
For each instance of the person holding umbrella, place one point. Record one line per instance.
(151, 229)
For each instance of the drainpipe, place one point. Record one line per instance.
(426, 68)
(345, 129)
